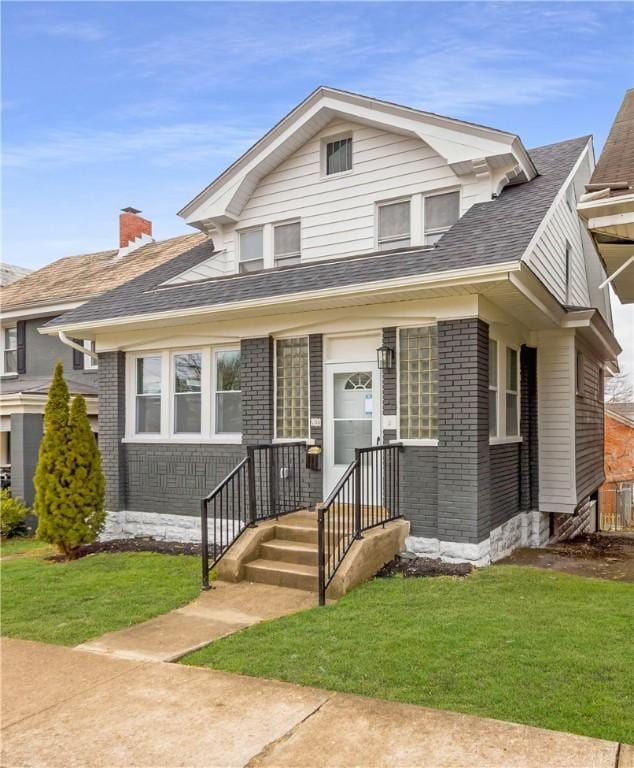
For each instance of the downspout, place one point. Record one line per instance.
(78, 347)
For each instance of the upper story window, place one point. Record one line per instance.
(493, 388)
(90, 363)
(418, 383)
(148, 395)
(251, 250)
(291, 388)
(10, 349)
(287, 244)
(441, 213)
(338, 156)
(394, 225)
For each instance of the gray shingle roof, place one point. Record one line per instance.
(39, 385)
(489, 233)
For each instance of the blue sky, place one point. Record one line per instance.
(114, 104)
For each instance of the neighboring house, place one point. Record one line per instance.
(368, 273)
(9, 273)
(615, 497)
(27, 358)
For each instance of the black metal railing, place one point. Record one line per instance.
(366, 496)
(267, 483)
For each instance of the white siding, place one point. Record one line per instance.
(548, 257)
(337, 212)
(556, 420)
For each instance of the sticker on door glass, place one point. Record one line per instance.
(367, 404)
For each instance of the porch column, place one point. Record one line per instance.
(315, 478)
(256, 380)
(26, 434)
(463, 431)
(112, 427)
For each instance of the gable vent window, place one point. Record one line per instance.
(10, 352)
(287, 244)
(251, 250)
(339, 156)
(394, 225)
(441, 213)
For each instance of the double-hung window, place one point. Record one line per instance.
(251, 247)
(90, 363)
(441, 213)
(148, 394)
(287, 244)
(10, 350)
(394, 225)
(228, 399)
(187, 392)
(418, 383)
(291, 388)
(512, 392)
(338, 156)
(493, 388)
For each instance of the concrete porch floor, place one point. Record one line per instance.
(63, 707)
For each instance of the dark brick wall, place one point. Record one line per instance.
(589, 425)
(505, 482)
(419, 489)
(173, 478)
(112, 427)
(256, 376)
(463, 430)
(529, 457)
(26, 434)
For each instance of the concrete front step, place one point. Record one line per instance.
(290, 531)
(288, 551)
(282, 574)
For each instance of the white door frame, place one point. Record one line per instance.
(331, 472)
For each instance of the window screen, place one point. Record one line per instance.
(148, 395)
(228, 392)
(251, 251)
(339, 156)
(287, 243)
(441, 213)
(394, 225)
(187, 388)
(418, 383)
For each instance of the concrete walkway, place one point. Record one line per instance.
(63, 707)
(221, 611)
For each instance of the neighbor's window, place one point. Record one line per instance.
(580, 373)
(394, 225)
(291, 388)
(600, 385)
(148, 394)
(441, 213)
(339, 156)
(187, 386)
(512, 392)
(287, 244)
(251, 250)
(10, 352)
(493, 388)
(228, 395)
(90, 363)
(418, 383)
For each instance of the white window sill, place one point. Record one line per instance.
(505, 440)
(283, 440)
(9, 375)
(185, 439)
(337, 175)
(422, 443)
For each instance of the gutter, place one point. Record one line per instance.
(78, 347)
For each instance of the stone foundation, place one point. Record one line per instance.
(182, 528)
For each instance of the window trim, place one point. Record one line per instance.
(420, 441)
(377, 222)
(5, 349)
(323, 163)
(502, 436)
(439, 230)
(283, 337)
(90, 363)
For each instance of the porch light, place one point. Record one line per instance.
(385, 358)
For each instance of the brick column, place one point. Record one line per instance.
(256, 377)
(315, 478)
(463, 430)
(388, 391)
(112, 427)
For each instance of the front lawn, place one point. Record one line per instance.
(68, 603)
(518, 644)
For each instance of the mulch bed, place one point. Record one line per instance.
(135, 545)
(424, 566)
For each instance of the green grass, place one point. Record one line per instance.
(68, 603)
(20, 545)
(518, 644)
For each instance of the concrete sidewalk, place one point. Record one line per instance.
(65, 707)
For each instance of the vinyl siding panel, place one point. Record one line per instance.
(589, 429)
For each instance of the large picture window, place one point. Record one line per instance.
(187, 392)
(228, 395)
(148, 395)
(291, 388)
(418, 383)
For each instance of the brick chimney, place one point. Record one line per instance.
(131, 226)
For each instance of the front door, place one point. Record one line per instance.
(352, 418)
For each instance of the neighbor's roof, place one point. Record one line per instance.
(494, 232)
(621, 411)
(77, 278)
(39, 385)
(616, 164)
(9, 273)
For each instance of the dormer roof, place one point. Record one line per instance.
(467, 148)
